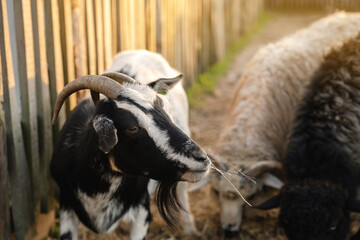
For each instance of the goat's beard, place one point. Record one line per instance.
(168, 202)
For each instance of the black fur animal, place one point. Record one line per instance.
(323, 155)
(106, 152)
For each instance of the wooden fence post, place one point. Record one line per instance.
(18, 170)
(218, 27)
(79, 37)
(28, 88)
(99, 26)
(108, 53)
(67, 47)
(90, 36)
(23, 62)
(43, 105)
(114, 27)
(158, 27)
(54, 57)
(151, 18)
(5, 230)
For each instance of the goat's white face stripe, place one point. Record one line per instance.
(140, 94)
(160, 137)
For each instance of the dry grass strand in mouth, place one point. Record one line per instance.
(250, 178)
(235, 170)
(232, 185)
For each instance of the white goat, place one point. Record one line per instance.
(147, 68)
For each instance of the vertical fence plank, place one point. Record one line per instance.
(108, 54)
(114, 27)
(118, 24)
(90, 36)
(19, 177)
(179, 40)
(54, 57)
(99, 35)
(151, 25)
(206, 35)
(43, 104)
(139, 18)
(31, 128)
(218, 27)
(5, 230)
(161, 26)
(79, 33)
(67, 44)
(79, 41)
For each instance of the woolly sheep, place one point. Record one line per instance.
(322, 160)
(262, 111)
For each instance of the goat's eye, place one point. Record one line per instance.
(133, 129)
(332, 228)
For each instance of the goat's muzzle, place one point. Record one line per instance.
(195, 175)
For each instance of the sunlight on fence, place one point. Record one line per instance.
(45, 44)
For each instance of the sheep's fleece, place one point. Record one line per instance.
(264, 104)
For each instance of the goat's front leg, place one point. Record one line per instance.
(141, 221)
(68, 224)
(186, 216)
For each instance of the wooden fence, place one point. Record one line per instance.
(330, 5)
(44, 44)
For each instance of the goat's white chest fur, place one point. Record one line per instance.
(102, 208)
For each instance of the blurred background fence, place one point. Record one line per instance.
(329, 5)
(44, 44)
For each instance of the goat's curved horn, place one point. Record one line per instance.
(262, 167)
(100, 84)
(119, 77)
(116, 76)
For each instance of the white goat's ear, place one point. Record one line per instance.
(164, 84)
(272, 181)
(106, 131)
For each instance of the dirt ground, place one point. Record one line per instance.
(206, 124)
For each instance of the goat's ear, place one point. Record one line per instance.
(106, 131)
(272, 181)
(353, 205)
(273, 202)
(164, 84)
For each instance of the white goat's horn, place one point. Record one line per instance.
(116, 76)
(100, 84)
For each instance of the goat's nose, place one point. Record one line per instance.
(198, 154)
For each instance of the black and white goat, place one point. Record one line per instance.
(322, 160)
(107, 151)
(147, 68)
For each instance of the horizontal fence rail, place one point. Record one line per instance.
(45, 44)
(330, 5)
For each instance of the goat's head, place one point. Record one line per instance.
(313, 209)
(231, 204)
(135, 130)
